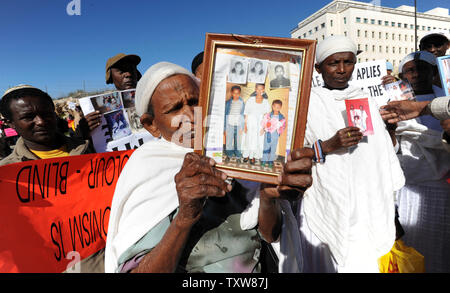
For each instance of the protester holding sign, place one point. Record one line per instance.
(31, 113)
(172, 211)
(423, 202)
(347, 217)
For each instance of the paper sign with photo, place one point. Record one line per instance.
(358, 115)
(399, 91)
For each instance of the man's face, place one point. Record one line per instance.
(279, 72)
(173, 105)
(235, 94)
(436, 45)
(34, 119)
(124, 75)
(337, 69)
(419, 74)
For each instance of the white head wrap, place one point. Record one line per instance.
(332, 45)
(419, 55)
(151, 79)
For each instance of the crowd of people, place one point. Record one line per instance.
(341, 201)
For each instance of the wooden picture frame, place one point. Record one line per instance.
(286, 66)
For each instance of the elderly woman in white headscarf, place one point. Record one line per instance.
(173, 211)
(347, 217)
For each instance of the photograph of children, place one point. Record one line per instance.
(258, 71)
(238, 70)
(358, 115)
(279, 75)
(134, 120)
(107, 102)
(254, 124)
(117, 124)
(128, 98)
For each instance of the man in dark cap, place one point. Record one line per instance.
(436, 42)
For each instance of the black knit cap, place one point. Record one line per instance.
(196, 62)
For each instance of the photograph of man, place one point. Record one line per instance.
(238, 71)
(258, 71)
(128, 98)
(253, 140)
(273, 125)
(280, 81)
(234, 124)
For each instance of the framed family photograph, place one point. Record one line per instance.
(254, 98)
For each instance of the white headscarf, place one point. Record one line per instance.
(332, 45)
(419, 55)
(151, 79)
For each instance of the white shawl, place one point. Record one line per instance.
(354, 185)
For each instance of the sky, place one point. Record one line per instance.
(41, 45)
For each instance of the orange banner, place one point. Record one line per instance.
(55, 212)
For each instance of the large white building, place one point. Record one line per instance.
(380, 32)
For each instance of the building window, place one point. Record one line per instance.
(323, 37)
(373, 35)
(399, 50)
(393, 36)
(310, 32)
(379, 35)
(372, 21)
(405, 25)
(393, 63)
(428, 28)
(387, 36)
(331, 22)
(393, 49)
(399, 25)
(304, 35)
(345, 20)
(358, 19)
(373, 48)
(412, 38)
(345, 33)
(411, 26)
(358, 33)
(387, 49)
(366, 47)
(392, 23)
(379, 22)
(359, 46)
(386, 23)
(365, 34)
(406, 38)
(359, 60)
(380, 49)
(366, 20)
(423, 27)
(316, 28)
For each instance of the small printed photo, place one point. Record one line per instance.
(238, 71)
(134, 119)
(279, 75)
(358, 115)
(107, 102)
(128, 98)
(258, 71)
(399, 90)
(117, 124)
